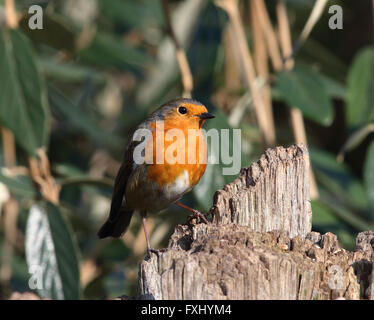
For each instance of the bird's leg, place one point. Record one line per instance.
(196, 213)
(149, 249)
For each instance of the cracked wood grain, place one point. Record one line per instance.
(260, 244)
(271, 194)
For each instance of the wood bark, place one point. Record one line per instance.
(271, 194)
(260, 244)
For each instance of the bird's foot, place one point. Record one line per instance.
(156, 251)
(197, 214)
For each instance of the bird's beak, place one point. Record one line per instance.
(206, 115)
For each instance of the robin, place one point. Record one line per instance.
(157, 182)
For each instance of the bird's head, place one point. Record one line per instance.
(183, 112)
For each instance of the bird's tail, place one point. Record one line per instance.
(117, 227)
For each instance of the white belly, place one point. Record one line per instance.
(178, 188)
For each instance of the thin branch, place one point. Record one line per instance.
(15, 171)
(11, 211)
(232, 68)
(297, 120)
(315, 15)
(89, 271)
(11, 16)
(9, 147)
(284, 33)
(261, 57)
(87, 180)
(41, 175)
(231, 7)
(184, 67)
(270, 36)
(355, 140)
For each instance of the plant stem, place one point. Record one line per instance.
(11, 14)
(231, 7)
(296, 116)
(184, 67)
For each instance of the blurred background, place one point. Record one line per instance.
(71, 92)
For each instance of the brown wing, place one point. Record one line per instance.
(120, 216)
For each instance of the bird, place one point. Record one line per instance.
(151, 186)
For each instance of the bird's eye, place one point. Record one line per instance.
(182, 110)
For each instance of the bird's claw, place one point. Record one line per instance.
(198, 214)
(156, 251)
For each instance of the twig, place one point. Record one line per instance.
(89, 271)
(15, 171)
(231, 7)
(41, 175)
(10, 227)
(184, 67)
(9, 147)
(297, 120)
(354, 140)
(284, 34)
(87, 180)
(11, 16)
(270, 36)
(237, 112)
(232, 67)
(10, 207)
(315, 15)
(261, 62)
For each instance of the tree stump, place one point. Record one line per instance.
(272, 194)
(260, 244)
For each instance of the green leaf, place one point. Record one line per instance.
(337, 178)
(20, 275)
(68, 170)
(69, 72)
(360, 89)
(87, 180)
(51, 254)
(23, 104)
(334, 88)
(114, 251)
(20, 186)
(115, 282)
(79, 120)
(330, 62)
(129, 13)
(350, 217)
(107, 50)
(56, 32)
(355, 139)
(326, 220)
(322, 215)
(73, 176)
(301, 88)
(369, 174)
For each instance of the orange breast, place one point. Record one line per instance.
(182, 150)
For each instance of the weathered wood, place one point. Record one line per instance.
(364, 263)
(272, 194)
(259, 245)
(235, 262)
